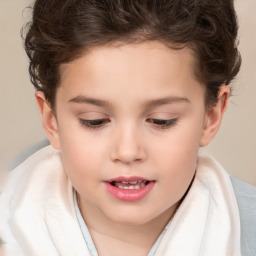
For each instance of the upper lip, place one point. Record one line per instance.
(127, 179)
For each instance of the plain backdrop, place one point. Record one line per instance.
(20, 124)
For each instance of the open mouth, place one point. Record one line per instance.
(136, 184)
(129, 188)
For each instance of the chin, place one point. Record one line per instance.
(131, 217)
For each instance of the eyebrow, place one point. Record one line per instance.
(87, 100)
(167, 100)
(151, 103)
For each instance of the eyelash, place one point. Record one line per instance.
(163, 123)
(93, 124)
(159, 123)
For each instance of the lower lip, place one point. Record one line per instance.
(129, 194)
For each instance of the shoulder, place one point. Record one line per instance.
(245, 195)
(246, 200)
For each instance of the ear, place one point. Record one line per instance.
(48, 119)
(213, 116)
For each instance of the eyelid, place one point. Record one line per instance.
(91, 115)
(162, 123)
(94, 123)
(162, 115)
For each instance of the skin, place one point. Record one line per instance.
(132, 80)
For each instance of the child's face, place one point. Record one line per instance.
(150, 121)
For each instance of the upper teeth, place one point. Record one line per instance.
(130, 184)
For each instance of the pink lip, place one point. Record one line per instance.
(129, 194)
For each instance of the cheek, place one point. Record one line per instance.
(82, 154)
(177, 173)
(176, 155)
(82, 166)
(180, 144)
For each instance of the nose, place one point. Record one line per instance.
(128, 146)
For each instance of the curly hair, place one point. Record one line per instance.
(62, 30)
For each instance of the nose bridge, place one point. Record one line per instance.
(128, 144)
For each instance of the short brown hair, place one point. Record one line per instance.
(62, 30)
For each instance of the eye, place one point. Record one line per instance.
(162, 123)
(93, 124)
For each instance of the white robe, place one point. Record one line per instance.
(37, 214)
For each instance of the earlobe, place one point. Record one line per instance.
(214, 115)
(48, 119)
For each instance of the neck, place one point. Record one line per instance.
(107, 231)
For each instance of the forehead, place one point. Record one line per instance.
(150, 52)
(148, 67)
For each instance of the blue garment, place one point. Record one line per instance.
(246, 200)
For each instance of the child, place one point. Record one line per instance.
(128, 92)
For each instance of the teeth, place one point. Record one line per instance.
(130, 182)
(134, 184)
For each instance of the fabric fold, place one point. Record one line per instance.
(207, 222)
(37, 214)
